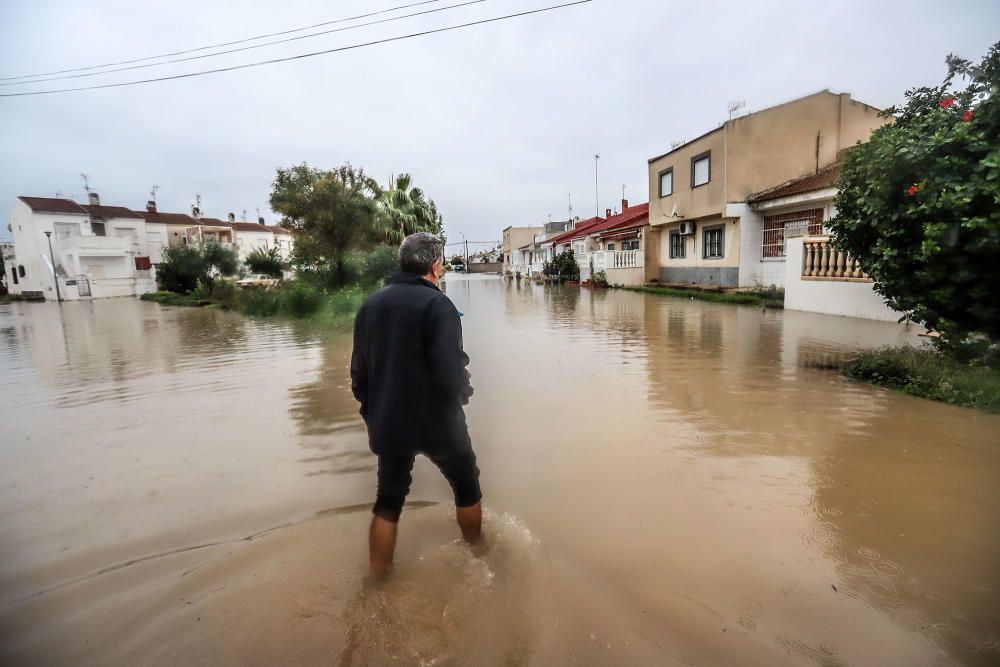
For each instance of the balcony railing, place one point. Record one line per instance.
(821, 261)
(603, 260)
(94, 244)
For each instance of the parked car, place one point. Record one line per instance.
(257, 280)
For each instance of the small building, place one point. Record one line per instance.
(699, 190)
(74, 251)
(251, 236)
(516, 241)
(817, 278)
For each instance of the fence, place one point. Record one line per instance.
(821, 261)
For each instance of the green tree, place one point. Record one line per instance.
(218, 260)
(403, 210)
(269, 262)
(184, 266)
(919, 204)
(563, 267)
(331, 211)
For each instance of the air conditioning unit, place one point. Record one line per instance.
(687, 228)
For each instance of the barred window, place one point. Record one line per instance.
(677, 246)
(786, 225)
(712, 243)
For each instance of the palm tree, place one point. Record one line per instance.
(403, 210)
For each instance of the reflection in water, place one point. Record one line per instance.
(191, 486)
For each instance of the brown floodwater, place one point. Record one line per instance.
(668, 482)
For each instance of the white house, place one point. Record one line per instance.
(786, 242)
(74, 251)
(250, 236)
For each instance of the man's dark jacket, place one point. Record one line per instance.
(408, 368)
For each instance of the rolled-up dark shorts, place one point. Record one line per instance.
(456, 463)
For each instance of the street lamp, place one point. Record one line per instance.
(55, 276)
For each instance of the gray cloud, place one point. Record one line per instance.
(496, 123)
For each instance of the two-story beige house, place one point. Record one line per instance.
(698, 191)
(514, 240)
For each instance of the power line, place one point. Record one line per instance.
(299, 56)
(246, 48)
(220, 45)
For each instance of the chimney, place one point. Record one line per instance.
(95, 199)
(151, 206)
(195, 211)
(232, 217)
(260, 220)
(624, 205)
(607, 213)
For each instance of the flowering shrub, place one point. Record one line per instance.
(919, 204)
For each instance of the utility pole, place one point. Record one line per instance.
(597, 197)
(466, 254)
(55, 274)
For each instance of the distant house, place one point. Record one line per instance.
(516, 242)
(709, 233)
(164, 230)
(78, 250)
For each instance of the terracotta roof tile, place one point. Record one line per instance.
(249, 227)
(824, 178)
(162, 218)
(53, 205)
(633, 216)
(107, 212)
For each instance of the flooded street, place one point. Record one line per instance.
(668, 482)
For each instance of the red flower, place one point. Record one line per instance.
(912, 190)
(968, 116)
(946, 102)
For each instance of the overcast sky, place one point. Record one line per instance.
(497, 122)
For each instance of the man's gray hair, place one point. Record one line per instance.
(418, 252)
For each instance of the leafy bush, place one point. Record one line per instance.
(563, 267)
(930, 374)
(267, 261)
(917, 204)
(181, 269)
(260, 303)
(184, 266)
(599, 279)
(299, 299)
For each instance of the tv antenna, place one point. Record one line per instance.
(86, 182)
(152, 192)
(735, 106)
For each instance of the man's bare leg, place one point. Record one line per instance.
(470, 520)
(381, 545)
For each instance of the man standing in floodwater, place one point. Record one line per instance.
(408, 370)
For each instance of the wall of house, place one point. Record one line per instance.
(692, 203)
(514, 238)
(780, 144)
(693, 269)
(247, 242)
(157, 239)
(31, 245)
(833, 297)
